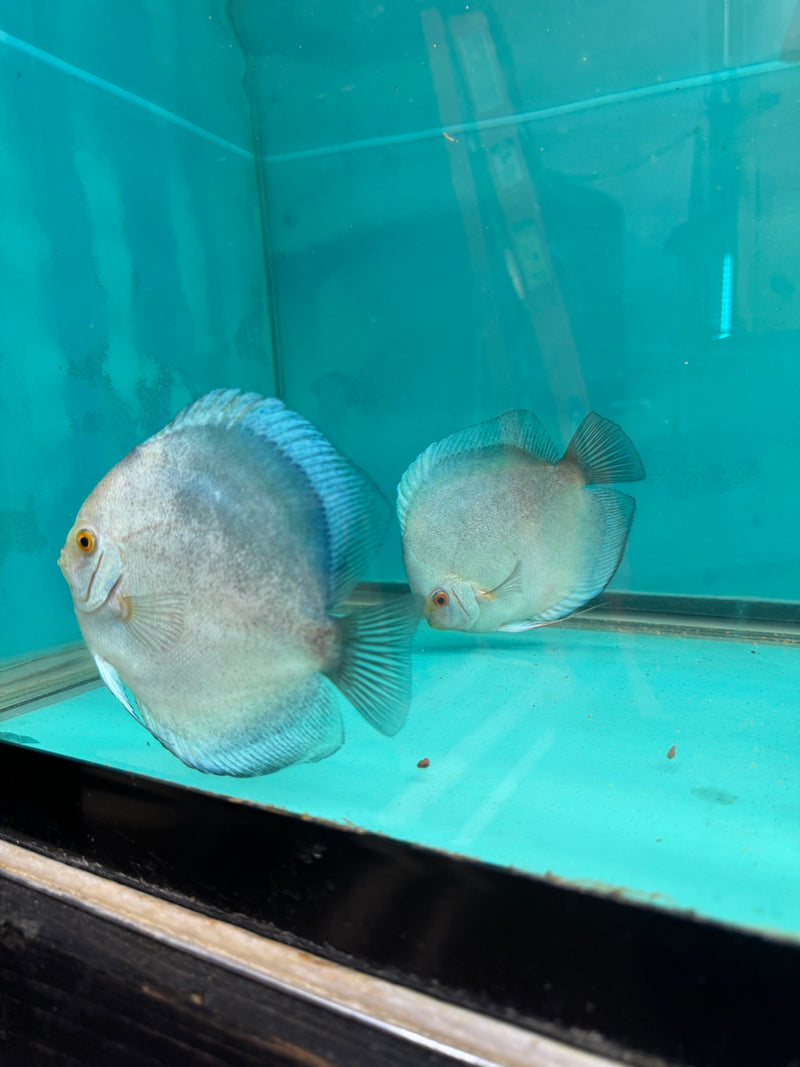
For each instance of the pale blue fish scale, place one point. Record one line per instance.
(555, 525)
(232, 678)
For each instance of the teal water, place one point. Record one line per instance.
(549, 753)
(403, 221)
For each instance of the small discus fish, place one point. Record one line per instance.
(501, 534)
(207, 571)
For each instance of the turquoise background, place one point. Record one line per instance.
(424, 216)
(404, 219)
(132, 272)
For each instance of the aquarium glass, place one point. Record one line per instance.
(404, 220)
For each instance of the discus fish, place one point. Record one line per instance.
(207, 572)
(501, 534)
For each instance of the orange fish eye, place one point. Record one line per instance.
(440, 598)
(85, 541)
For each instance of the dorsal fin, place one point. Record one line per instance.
(517, 429)
(354, 511)
(603, 452)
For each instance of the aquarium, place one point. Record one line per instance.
(403, 221)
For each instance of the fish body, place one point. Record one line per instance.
(501, 534)
(207, 571)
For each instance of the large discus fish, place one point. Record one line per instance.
(501, 534)
(207, 571)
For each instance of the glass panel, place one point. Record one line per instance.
(131, 263)
(405, 221)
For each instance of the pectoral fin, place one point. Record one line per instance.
(508, 587)
(156, 619)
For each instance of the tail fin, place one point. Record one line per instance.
(374, 666)
(603, 452)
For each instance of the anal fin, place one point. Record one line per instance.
(299, 724)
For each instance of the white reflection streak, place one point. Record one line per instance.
(464, 760)
(697, 81)
(726, 302)
(61, 65)
(504, 792)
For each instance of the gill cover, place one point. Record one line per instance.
(91, 573)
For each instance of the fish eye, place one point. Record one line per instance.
(85, 541)
(440, 598)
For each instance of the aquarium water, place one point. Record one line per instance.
(403, 220)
